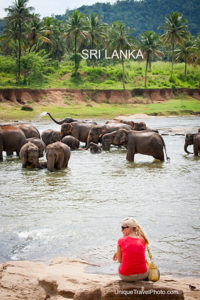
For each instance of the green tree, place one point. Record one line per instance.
(75, 30)
(195, 55)
(184, 52)
(37, 32)
(175, 32)
(119, 39)
(18, 15)
(150, 46)
(96, 31)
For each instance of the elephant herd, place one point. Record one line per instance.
(26, 141)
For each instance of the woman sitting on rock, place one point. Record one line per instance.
(131, 252)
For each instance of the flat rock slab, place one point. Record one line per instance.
(66, 279)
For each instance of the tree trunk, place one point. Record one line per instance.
(92, 48)
(123, 73)
(19, 53)
(172, 60)
(75, 58)
(147, 62)
(185, 68)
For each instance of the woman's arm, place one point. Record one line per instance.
(119, 254)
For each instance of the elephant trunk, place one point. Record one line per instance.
(50, 164)
(105, 144)
(185, 148)
(57, 122)
(89, 140)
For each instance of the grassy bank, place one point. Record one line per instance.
(184, 105)
(105, 75)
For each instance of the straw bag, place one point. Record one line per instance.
(154, 273)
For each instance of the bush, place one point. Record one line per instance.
(7, 64)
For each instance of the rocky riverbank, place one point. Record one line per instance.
(66, 279)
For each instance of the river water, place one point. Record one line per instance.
(77, 212)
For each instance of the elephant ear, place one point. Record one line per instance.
(124, 136)
(102, 132)
(70, 127)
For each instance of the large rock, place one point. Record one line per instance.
(66, 279)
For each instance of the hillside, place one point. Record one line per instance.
(144, 15)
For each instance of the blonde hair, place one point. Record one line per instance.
(129, 221)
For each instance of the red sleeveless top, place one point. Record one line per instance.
(133, 255)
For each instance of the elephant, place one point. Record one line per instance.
(96, 132)
(39, 143)
(50, 136)
(71, 141)
(193, 139)
(77, 129)
(29, 155)
(70, 120)
(11, 139)
(58, 155)
(95, 148)
(135, 125)
(143, 142)
(130, 123)
(29, 131)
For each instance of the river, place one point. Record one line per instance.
(77, 212)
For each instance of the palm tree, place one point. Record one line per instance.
(37, 32)
(119, 39)
(150, 44)
(175, 32)
(75, 29)
(184, 52)
(96, 30)
(195, 56)
(18, 14)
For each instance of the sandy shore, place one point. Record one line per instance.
(67, 279)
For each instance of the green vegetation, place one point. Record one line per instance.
(46, 53)
(178, 106)
(46, 75)
(143, 15)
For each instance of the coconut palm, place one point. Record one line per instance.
(150, 46)
(195, 53)
(19, 14)
(175, 32)
(37, 32)
(96, 30)
(184, 52)
(75, 29)
(120, 39)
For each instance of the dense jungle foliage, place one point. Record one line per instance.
(144, 15)
(47, 52)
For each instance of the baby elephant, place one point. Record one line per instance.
(94, 148)
(71, 141)
(39, 143)
(29, 155)
(58, 155)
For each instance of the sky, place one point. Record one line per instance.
(49, 7)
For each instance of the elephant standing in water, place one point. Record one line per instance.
(50, 136)
(58, 155)
(11, 139)
(71, 141)
(39, 143)
(78, 130)
(96, 132)
(29, 155)
(143, 142)
(193, 139)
